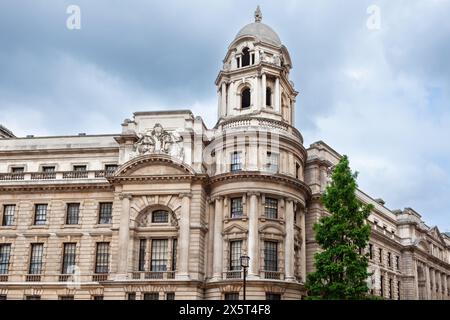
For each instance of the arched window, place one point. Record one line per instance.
(245, 98)
(268, 97)
(160, 216)
(245, 57)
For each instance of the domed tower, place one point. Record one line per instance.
(257, 193)
(254, 80)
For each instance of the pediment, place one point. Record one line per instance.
(272, 229)
(157, 165)
(235, 228)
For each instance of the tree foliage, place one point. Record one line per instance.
(341, 271)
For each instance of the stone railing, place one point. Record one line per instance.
(273, 275)
(235, 274)
(56, 175)
(100, 277)
(263, 123)
(33, 278)
(3, 277)
(152, 275)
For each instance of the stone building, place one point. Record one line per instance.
(165, 209)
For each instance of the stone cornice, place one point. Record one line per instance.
(428, 257)
(57, 187)
(167, 178)
(250, 175)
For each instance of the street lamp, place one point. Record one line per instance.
(244, 265)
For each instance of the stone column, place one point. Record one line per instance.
(263, 89)
(185, 230)
(223, 106)
(303, 232)
(124, 235)
(253, 236)
(277, 95)
(289, 241)
(218, 241)
(209, 271)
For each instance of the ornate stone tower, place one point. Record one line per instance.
(254, 80)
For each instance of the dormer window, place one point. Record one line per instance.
(245, 98)
(245, 57)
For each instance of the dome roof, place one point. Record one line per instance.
(260, 31)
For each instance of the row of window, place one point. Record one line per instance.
(272, 162)
(390, 293)
(270, 208)
(235, 296)
(21, 169)
(68, 258)
(73, 214)
(129, 296)
(381, 257)
(270, 255)
(158, 260)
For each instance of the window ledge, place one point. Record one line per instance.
(71, 226)
(103, 225)
(8, 227)
(279, 220)
(39, 226)
(243, 218)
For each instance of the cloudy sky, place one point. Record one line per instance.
(379, 95)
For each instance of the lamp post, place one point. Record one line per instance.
(244, 265)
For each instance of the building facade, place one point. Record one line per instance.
(166, 208)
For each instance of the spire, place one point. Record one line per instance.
(258, 14)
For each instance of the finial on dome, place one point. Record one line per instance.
(258, 14)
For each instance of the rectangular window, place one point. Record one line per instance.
(236, 164)
(48, 169)
(235, 255)
(131, 296)
(170, 295)
(142, 247)
(80, 168)
(380, 255)
(271, 208)
(390, 289)
(151, 296)
(5, 253)
(33, 297)
(37, 250)
(297, 170)
(105, 213)
(17, 169)
(231, 296)
(159, 255)
(160, 216)
(174, 254)
(272, 162)
(40, 214)
(8, 214)
(97, 297)
(370, 251)
(270, 256)
(397, 262)
(66, 298)
(389, 259)
(398, 290)
(102, 258)
(2, 296)
(382, 286)
(236, 208)
(73, 212)
(69, 255)
(273, 296)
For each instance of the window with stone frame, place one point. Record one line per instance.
(40, 214)
(160, 216)
(398, 290)
(102, 257)
(8, 214)
(174, 254)
(273, 296)
(159, 255)
(105, 213)
(397, 262)
(370, 251)
(131, 295)
(66, 297)
(270, 256)
(235, 255)
(48, 168)
(73, 212)
(5, 256)
(69, 258)
(271, 208)
(151, 296)
(245, 57)
(237, 209)
(110, 168)
(36, 257)
(268, 97)
(231, 296)
(245, 98)
(389, 258)
(142, 257)
(380, 255)
(170, 295)
(33, 297)
(18, 169)
(272, 164)
(80, 167)
(236, 161)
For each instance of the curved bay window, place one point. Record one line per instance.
(160, 216)
(245, 98)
